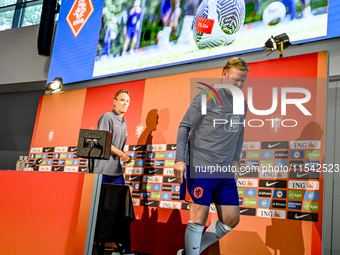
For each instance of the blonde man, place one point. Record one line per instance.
(211, 146)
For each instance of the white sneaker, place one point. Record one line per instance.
(125, 251)
(117, 253)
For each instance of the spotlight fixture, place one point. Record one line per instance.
(56, 85)
(278, 42)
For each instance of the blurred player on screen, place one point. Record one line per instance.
(109, 35)
(132, 27)
(306, 8)
(170, 12)
(186, 36)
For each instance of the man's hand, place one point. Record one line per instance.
(235, 166)
(125, 158)
(180, 170)
(121, 154)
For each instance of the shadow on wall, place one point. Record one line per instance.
(148, 235)
(279, 236)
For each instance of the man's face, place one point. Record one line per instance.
(122, 103)
(235, 77)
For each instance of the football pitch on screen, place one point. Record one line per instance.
(251, 36)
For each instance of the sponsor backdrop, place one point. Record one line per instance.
(281, 210)
(97, 38)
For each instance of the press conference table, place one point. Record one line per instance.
(46, 212)
(55, 212)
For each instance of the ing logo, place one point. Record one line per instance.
(310, 185)
(311, 145)
(198, 192)
(252, 146)
(250, 183)
(277, 214)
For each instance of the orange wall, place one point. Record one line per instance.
(44, 213)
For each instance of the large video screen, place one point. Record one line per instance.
(97, 38)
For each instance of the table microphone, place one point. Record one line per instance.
(37, 162)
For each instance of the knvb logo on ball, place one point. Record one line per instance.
(276, 122)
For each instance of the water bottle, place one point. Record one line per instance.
(19, 165)
(25, 163)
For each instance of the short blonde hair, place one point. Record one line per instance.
(120, 92)
(237, 63)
